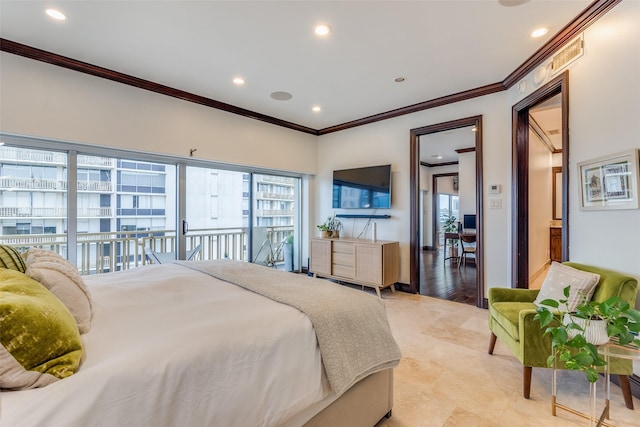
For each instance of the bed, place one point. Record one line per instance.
(220, 343)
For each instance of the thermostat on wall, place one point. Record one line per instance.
(494, 189)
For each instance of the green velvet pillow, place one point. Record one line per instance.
(10, 258)
(39, 338)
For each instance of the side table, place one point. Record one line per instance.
(608, 350)
(613, 349)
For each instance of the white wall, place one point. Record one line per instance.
(604, 90)
(40, 99)
(388, 142)
(467, 183)
(604, 93)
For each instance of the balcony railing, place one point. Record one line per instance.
(274, 196)
(32, 156)
(26, 211)
(114, 251)
(51, 157)
(52, 184)
(274, 212)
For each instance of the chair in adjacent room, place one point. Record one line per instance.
(467, 244)
(511, 313)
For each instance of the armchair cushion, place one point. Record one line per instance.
(507, 314)
(559, 277)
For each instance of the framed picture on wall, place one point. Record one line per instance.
(609, 182)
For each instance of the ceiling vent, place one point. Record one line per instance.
(566, 56)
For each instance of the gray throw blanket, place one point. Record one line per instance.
(351, 326)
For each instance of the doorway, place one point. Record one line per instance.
(523, 123)
(416, 201)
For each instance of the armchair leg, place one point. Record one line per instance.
(526, 381)
(492, 342)
(626, 390)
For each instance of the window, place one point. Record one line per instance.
(120, 206)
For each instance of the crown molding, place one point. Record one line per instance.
(587, 17)
(591, 14)
(437, 102)
(105, 73)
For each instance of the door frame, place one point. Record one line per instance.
(414, 189)
(520, 176)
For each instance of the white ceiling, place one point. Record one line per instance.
(443, 144)
(440, 47)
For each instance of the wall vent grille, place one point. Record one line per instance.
(566, 56)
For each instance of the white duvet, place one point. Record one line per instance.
(170, 346)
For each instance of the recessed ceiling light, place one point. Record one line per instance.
(281, 96)
(239, 81)
(316, 108)
(55, 14)
(322, 29)
(539, 32)
(399, 79)
(437, 156)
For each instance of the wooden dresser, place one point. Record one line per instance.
(375, 264)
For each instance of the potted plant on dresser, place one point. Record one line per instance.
(331, 227)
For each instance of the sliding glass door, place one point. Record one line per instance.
(33, 198)
(275, 234)
(107, 210)
(217, 213)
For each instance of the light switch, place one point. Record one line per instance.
(495, 203)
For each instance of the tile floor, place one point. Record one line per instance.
(446, 378)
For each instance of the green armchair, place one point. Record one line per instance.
(511, 313)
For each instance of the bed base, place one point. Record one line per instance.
(363, 405)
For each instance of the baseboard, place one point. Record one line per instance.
(404, 287)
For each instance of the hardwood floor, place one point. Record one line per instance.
(443, 279)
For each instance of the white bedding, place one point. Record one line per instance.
(163, 350)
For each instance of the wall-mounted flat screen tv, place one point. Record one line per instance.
(362, 188)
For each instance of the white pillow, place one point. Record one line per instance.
(559, 277)
(64, 281)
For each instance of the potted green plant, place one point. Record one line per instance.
(324, 230)
(451, 226)
(571, 334)
(331, 227)
(335, 225)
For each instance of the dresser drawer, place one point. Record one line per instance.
(340, 258)
(342, 247)
(345, 271)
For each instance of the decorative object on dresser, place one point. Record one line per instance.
(358, 261)
(331, 227)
